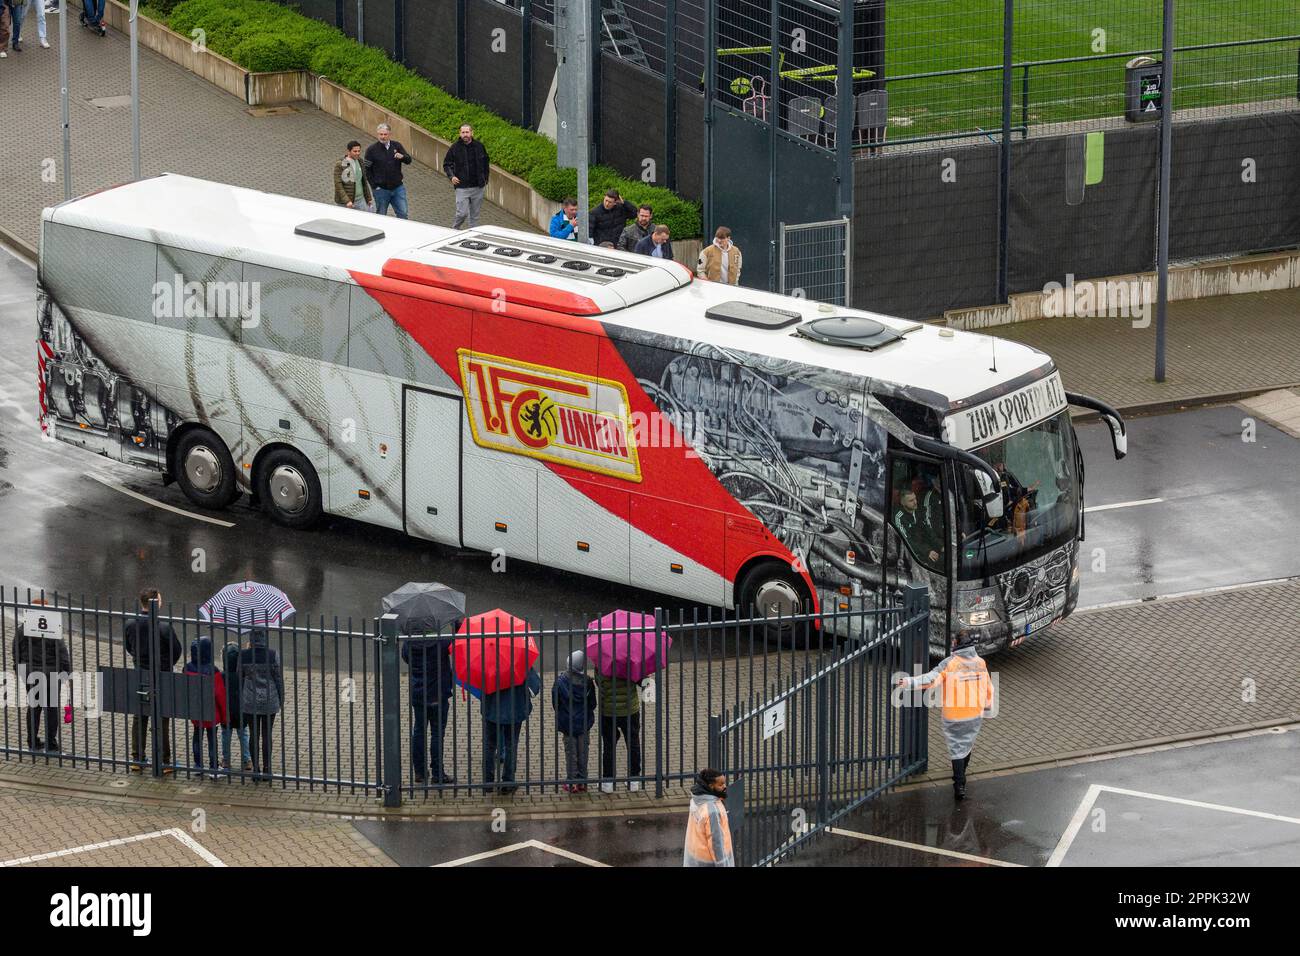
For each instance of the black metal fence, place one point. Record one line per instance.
(341, 707)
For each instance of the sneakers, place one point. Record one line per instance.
(959, 791)
(168, 771)
(568, 788)
(606, 787)
(136, 766)
(45, 44)
(3, 54)
(634, 785)
(18, 47)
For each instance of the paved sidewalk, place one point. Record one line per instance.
(187, 126)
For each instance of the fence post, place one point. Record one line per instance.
(155, 668)
(660, 655)
(1004, 173)
(670, 94)
(823, 750)
(715, 742)
(391, 696)
(914, 721)
(460, 49)
(526, 64)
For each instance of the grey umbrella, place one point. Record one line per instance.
(425, 608)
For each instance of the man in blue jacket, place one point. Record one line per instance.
(656, 244)
(429, 660)
(564, 224)
(573, 696)
(504, 714)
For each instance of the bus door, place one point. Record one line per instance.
(431, 455)
(918, 548)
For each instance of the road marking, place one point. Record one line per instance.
(1178, 595)
(1123, 504)
(158, 504)
(924, 849)
(1085, 807)
(184, 838)
(526, 845)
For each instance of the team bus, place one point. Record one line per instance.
(599, 412)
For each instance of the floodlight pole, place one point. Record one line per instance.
(135, 87)
(1166, 162)
(63, 98)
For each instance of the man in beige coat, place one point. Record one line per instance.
(720, 260)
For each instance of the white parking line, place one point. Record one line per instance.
(158, 504)
(1123, 504)
(1090, 798)
(939, 851)
(184, 838)
(526, 845)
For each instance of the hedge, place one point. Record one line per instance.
(265, 37)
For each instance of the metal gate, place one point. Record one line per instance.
(828, 742)
(816, 260)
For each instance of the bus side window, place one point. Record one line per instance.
(198, 293)
(299, 314)
(378, 343)
(917, 511)
(93, 270)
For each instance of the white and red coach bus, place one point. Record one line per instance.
(594, 411)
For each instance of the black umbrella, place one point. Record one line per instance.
(425, 608)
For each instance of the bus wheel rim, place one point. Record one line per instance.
(777, 599)
(289, 489)
(203, 469)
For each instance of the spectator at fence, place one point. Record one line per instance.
(43, 664)
(33, 8)
(92, 14)
(708, 830)
(200, 665)
(384, 162)
(606, 221)
(573, 696)
(720, 260)
(656, 244)
(351, 188)
(564, 224)
(636, 231)
(504, 713)
(139, 645)
(620, 714)
(261, 695)
(429, 661)
(234, 717)
(468, 167)
(966, 692)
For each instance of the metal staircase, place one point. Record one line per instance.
(617, 35)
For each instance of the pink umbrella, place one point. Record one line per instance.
(624, 644)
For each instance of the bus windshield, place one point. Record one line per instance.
(1040, 496)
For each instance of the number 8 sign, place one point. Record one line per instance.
(38, 622)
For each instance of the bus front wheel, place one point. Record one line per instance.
(204, 469)
(289, 489)
(772, 590)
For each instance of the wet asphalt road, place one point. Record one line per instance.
(1016, 820)
(1227, 518)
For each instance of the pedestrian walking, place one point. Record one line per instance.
(720, 260)
(504, 713)
(351, 188)
(92, 15)
(17, 13)
(139, 643)
(4, 30)
(261, 696)
(606, 220)
(656, 244)
(564, 224)
(620, 716)
(43, 666)
(708, 830)
(37, 9)
(573, 698)
(200, 665)
(468, 167)
(967, 693)
(234, 716)
(384, 161)
(429, 661)
(636, 231)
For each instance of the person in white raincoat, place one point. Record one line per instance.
(966, 693)
(708, 832)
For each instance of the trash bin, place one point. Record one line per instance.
(1143, 97)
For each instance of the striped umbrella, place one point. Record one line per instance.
(246, 605)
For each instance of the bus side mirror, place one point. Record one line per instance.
(990, 496)
(1118, 435)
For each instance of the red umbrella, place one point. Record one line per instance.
(493, 653)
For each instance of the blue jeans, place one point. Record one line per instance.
(388, 197)
(197, 745)
(244, 752)
(500, 742)
(94, 10)
(16, 30)
(434, 716)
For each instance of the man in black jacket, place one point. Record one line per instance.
(468, 167)
(43, 665)
(139, 646)
(606, 221)
(384, 162)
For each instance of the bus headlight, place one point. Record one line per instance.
(978, 618)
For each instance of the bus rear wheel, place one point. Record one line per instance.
(205, 470)
(289, 489)
(772, 590)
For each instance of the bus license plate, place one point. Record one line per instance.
(1038, 621)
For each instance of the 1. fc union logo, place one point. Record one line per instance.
(549, 413)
